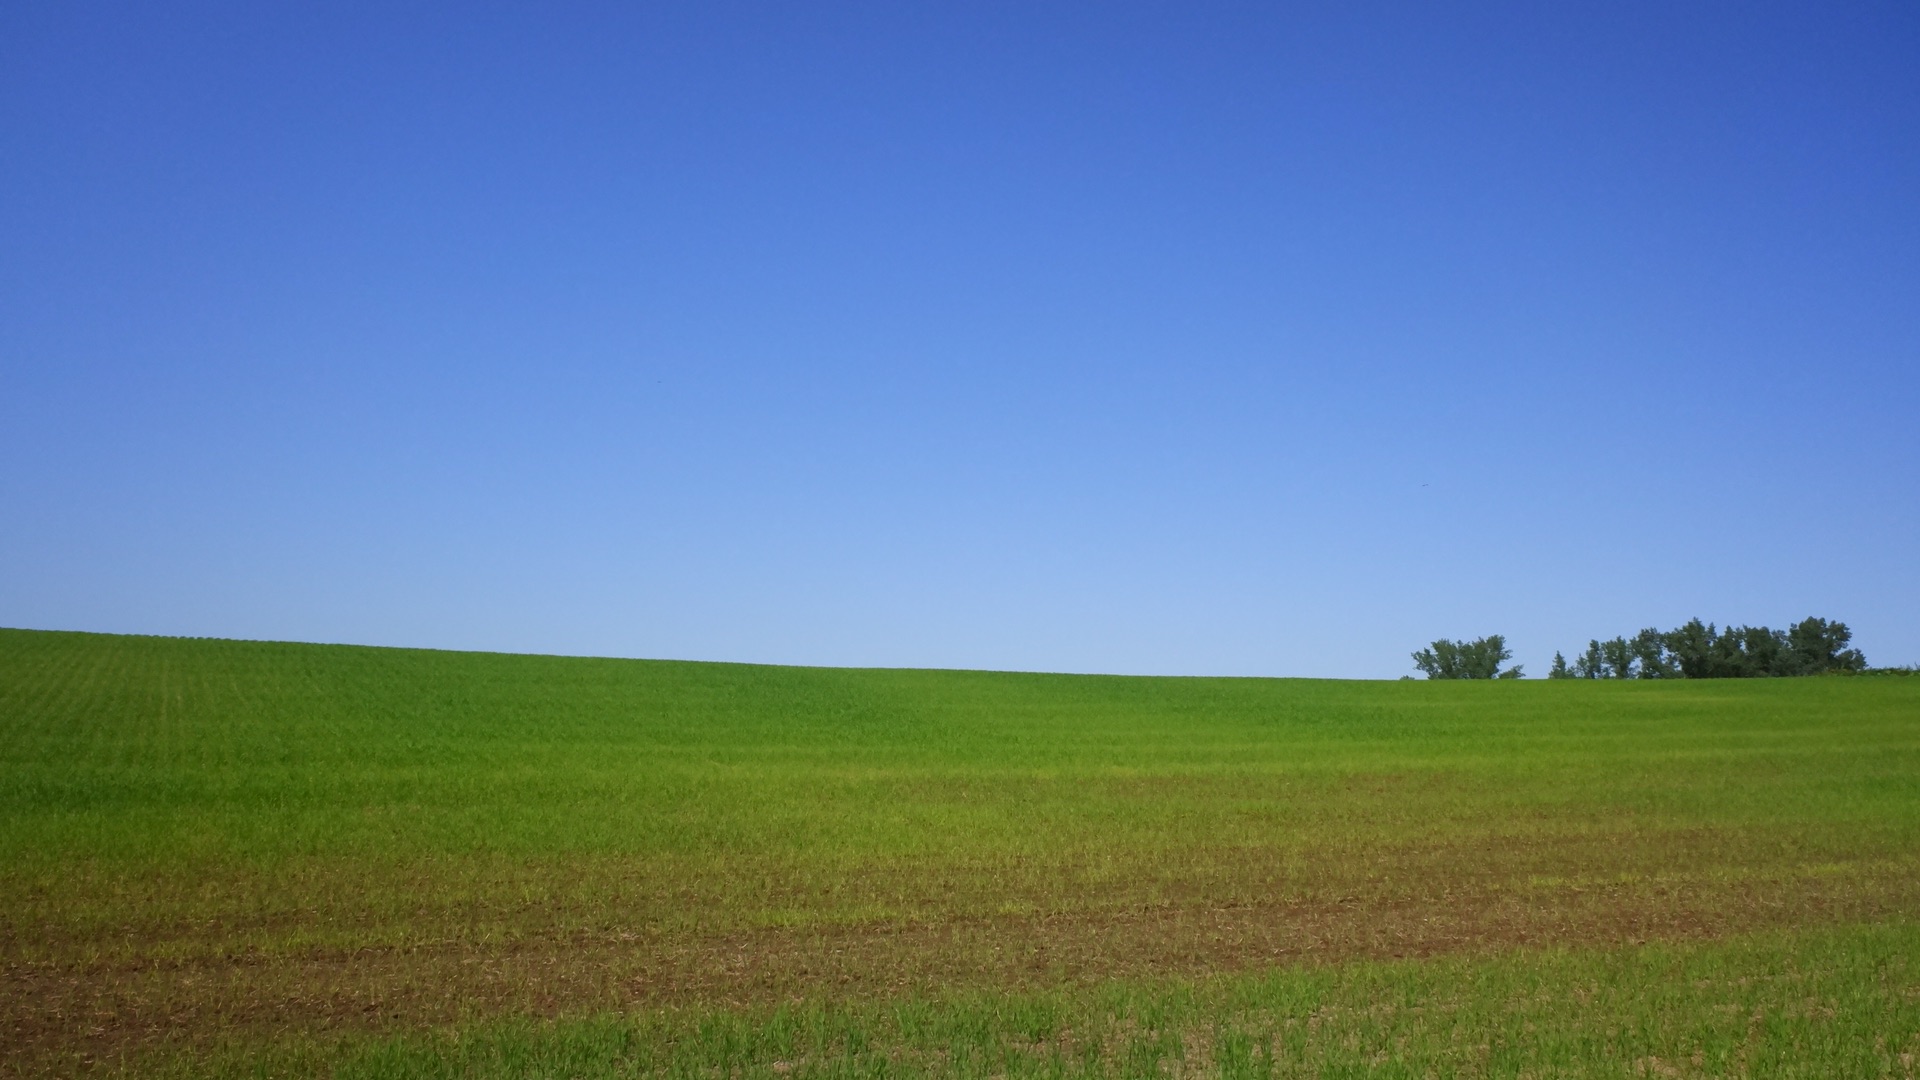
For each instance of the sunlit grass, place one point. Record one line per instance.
(338, 838)
(1834, 1003)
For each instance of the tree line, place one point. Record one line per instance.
(1700, 650)
(1479, 659)
(1696, 650)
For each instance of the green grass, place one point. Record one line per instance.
(207, 843)
(1818, 1005)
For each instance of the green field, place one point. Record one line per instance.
(229, 857)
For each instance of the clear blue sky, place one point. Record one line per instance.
(1245, 339)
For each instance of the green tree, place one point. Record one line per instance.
(1591, 664)
(1559, 668)
(1815, 646)
(1729, 656)
(1617, 656)
(1692, 649)
(1764, 652)
(1479, 659)
(1700, 650)
(1650, 649)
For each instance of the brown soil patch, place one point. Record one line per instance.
(77, 1009)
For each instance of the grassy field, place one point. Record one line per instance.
(255, 858)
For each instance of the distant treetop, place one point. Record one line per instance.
(1479, 659)
(1700, 650)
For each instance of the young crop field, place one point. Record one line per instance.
(238, 858)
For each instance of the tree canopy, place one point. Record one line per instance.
(1480, 659)
(1700, 650)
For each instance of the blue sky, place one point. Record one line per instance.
(1214, 339)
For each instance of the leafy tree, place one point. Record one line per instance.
(1591, 664)
(1729, 654)
(1698, 650)
(1694, 650)
(1817, 646)
(1479, 659)
(1691, 647)
(1650, 649)
(1617, 657)
(1643, 656)
(1764, 652)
